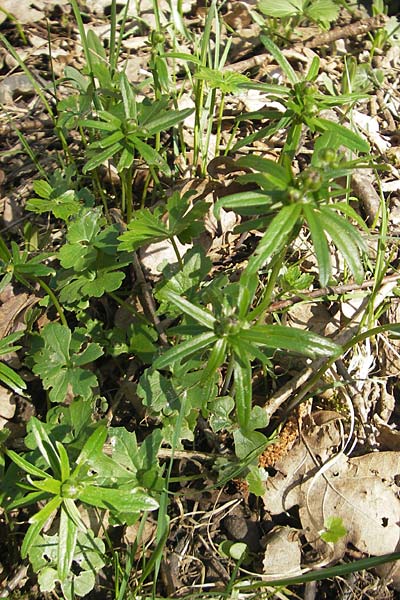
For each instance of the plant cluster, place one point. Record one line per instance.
(202, 335)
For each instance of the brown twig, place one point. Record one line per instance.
(337, 290)
(346, 31)
(15, 581)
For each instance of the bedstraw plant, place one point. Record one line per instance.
(196, 336)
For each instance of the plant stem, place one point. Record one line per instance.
(258, 312)
(55, 301)
(126, 200)
(178, 256)
(219, 124)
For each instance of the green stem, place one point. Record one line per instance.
(178, 256)
(327, 364)
(128, 307)
(228, 376)
(53, 298)
(258, 312)
(101, 192)
(319, 574)
(219, 124)
(126, 200)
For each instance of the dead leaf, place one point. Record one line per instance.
(388, 438)
(13, 309)
(156, 255)
(7, 406)
(282, 554)
(360, 490)
(21, 10)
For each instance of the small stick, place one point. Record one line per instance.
(338, 33)
(14, 581)
(329, 291)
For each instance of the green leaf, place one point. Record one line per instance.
(67, 536)
(167, 120)
(96, 49)
(48, 485)
(128, 97)
(243, 389)
(216, 359)
(347, 137)
(183, 281)
(249, 444)
(25, 465)
(277, 53)
(10, 378)
(275, 238)
(59, 366)
(45, 445)
(37, 523)
(281, 8)
(144, 228)
(322, 11)
(91, 448)
(256, 479)
(198, 314)
(292, 339)
(185, 349)
(227, 81)
(334, 530)
(107, 141)
(320, 243)
(64, 461)
(275, 174)
(125, 501)
(220, 409)
(141, 462)
(150, 156)
(347, 239)
(249, 202)
(101, 157)
(157, 392)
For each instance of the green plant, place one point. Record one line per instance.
(232, 335)
(294, 12)
(7, 375)
(124, 129)
(287, 201)
(110, 483)
(190, 342)
(303, 103)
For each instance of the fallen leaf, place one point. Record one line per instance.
(7, 406)
(360, 491)
(155, 255)
(282, 553)
(13, 309)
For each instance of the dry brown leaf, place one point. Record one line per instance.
(361, 491)
(282, 554)
(7, 406)
(21, 10)
(13, 309)
(322, 438)
(154, 256)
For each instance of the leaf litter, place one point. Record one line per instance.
(311, 471)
